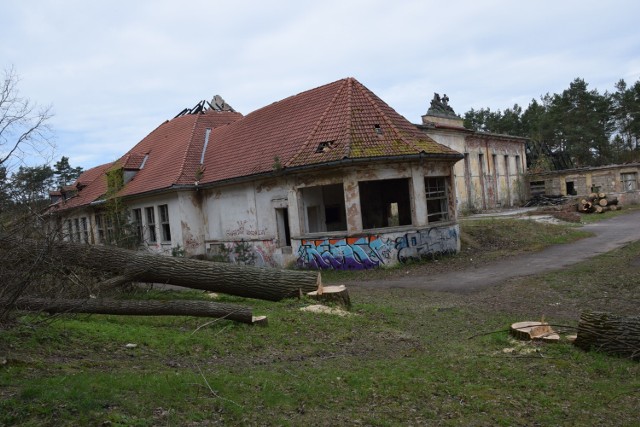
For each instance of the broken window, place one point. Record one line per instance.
(629, 181)
(282, 225)
(137, 225)
(537, 188)
(385, 203)
(324, 208)
(571, 188)
(437, 198)
(164, 223)
(151, 223)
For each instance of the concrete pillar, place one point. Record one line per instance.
(352, 203)
(295, 212)
(418, 198)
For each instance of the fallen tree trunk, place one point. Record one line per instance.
(141, 308)
(245, 281)
(609, 333)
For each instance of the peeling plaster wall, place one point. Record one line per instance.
(240, 222)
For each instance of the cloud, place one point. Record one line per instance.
(115, 70)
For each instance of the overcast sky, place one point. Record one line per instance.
(114, 70)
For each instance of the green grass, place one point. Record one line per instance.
(404, 357)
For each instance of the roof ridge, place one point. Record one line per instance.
(323, 116)
(384, 116)
(350, 122)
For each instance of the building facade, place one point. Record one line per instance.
(492, 173)
(330, 178)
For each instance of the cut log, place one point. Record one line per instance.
(593, 196)
(609, 333)
(598, 209)
(602, 195)
(332, 294)
(534, 331)
(141, 308)
(608, 201)
(613, 208)
(245, 281)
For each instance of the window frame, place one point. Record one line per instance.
(165, 224)
(150, 214)
(439, 194)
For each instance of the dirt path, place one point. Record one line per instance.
(608, 235)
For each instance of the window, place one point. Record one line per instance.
(164, 223)
(324, 208)
(385, 203)
(85, 229)
(537, 188)
(437, 199)
(518, 164)
(76, 224)
(282, 225)
(137, 225)
(151, 223)
(629, 181)
(69, 230)
(571, 188)
(111, 237)
(100, 227)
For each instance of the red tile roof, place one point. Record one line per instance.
(337, 121)
(94, 184)
(346, 117)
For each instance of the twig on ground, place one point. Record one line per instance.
(216, 395)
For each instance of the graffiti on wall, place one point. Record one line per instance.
(360, 253)
(427, 243)
(258, 254)
(351, 253)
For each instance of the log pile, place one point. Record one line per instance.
(598, 203)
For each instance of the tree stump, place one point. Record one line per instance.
(534, 331)
(332, 294)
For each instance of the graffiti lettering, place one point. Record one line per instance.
(241, 230)
(427, 243)
(352, 253)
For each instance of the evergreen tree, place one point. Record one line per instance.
(64, 173)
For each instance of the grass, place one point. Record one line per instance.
(404, 357)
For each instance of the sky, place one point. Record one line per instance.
(112, 71)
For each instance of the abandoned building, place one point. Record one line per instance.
(330, 178)
(492, 173)
(615, 180)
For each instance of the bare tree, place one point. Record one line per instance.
(24, 125)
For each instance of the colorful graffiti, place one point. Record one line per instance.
(427, 243)
(351, 253)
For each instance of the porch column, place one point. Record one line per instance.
(294, 210)
(352, 203)
(419, 196)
